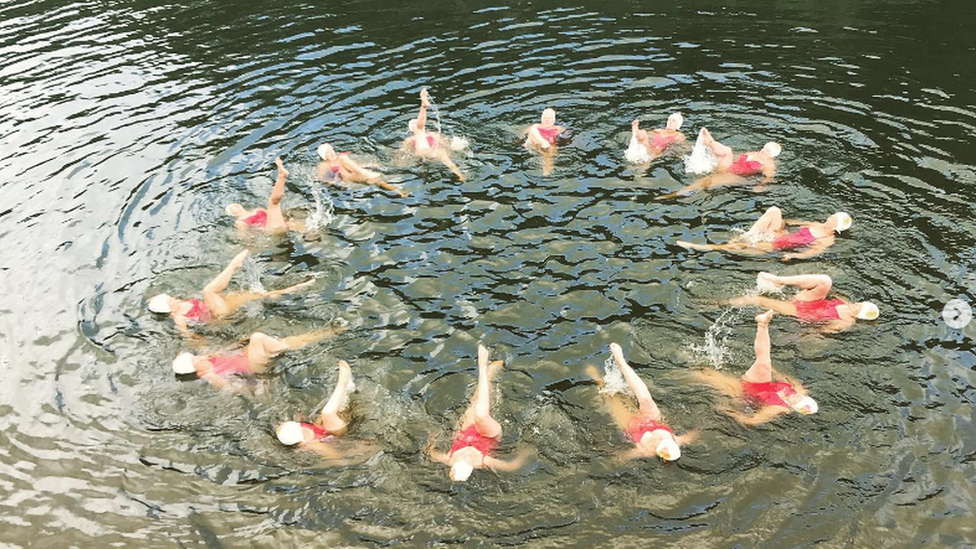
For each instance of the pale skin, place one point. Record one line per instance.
(812, 288)
(646, 138)
(761, 371)
(260, 349)
(534, 140)
(721, 176)
(419, 144)
(757, 240)
(347, 169)
(276, 223)
(479, 415)
(330, 419)
(622, 414)
(220, 304)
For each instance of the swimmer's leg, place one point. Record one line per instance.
(813, 286)
(731, 246)
(479, 413)
(384, 185)
(441, 154)
(276, 220)
(781, 307)
(235, 300)
(329, 417)
(771, 222)
(761, 370)
(211, 292)
(648, 408)
(548, 161)
(699, 185)
(619, 411)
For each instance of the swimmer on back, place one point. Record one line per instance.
(769, 234)
(478, 433)
(732, 170)
(221, 367)
(215, 304)
(270, 219)
(646, 429)
(429, 144)
(646, 146)
(542, 138)
(342, 167)
(810, 304)
(766, 398)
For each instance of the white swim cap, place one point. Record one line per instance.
(183, 364)
(160, 304)
(461, 471)
(806, 406)
(290, 433)
(772, 149)
(668, 449)
(548, 113)
(324, 149)
(869, 311)
(844, 221)
(677, 120)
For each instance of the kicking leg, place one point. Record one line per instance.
(211, 292)
(761, 370)
(621, 414)
(445, 159)
(329, 417)
(648, 408)
(771, 222)
(781, 307)
(813, 286)
(479, 412)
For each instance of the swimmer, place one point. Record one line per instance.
(767, 398)
(429, 145)
(542, 138)
(646, 146)
(220, 367)
(646, 429)
(270, 219)
(342, 167)
(318, 435)
(214, 305)
(810, 304)
(768, 234)
(478, 433)
(731, 170)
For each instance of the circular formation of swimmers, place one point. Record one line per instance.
(759, 395)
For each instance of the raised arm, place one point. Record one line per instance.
(422, 115)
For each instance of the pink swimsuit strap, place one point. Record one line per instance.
(231, 365)
(198, 312)
(549, 134)
(744, 166)
(638, 426)
(471, 437)
(768, 393)
(817, 310)
(320, 433)
(258, 219)
(799, 239)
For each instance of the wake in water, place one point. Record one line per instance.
(715, 349)
(702, 160)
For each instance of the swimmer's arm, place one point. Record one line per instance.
(218, 382)
(323, 449)
(633, 453)
(181, 325)
(535, 136)
(507, 466)
(814, 250)
(769, 170)
(762, 416)
(687, 438)
(837, 325)
(439, 457)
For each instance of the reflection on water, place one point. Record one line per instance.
(127, 128)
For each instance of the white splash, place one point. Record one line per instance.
(636, 152)
(715, 349)
(613, 379)
(324, 212)
(252, 274)
(702, 160)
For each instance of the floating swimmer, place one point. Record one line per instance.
(318, 435)
(767, 398)
(431, 144)
(543, 137)
(811, 303)
(342, 167)
(646, 146)
(726, 168)
(219, 368)
(478, 433)
(214, 304)
(270, 219)
(769, 234)
(646, 429)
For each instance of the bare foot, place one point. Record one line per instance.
(635, 125)
(281, 167)
(764, 318)
(345, 377)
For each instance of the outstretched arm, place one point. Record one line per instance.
(323, 449)
(764, 415)
(501, 465)
(439, 457)
(422, 115)
(686, 438)
(817, 248)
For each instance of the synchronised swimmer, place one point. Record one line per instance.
(757, 396)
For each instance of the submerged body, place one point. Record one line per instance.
(646, 146)
(269, 220)
(429, 145)
(543, 137)
(731, 169)
(342, 167)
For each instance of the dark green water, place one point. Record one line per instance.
(125, 127)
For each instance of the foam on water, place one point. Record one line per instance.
(636, 153)
(701, 161)
(716, 349)
(613, 379)
(252, 272)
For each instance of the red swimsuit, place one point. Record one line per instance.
(471, 437)
(231, 365)
(799, 239)
(661, 142)
(549, 134)
(744, 166)
(320, 433)
(767, 393)
(259, 219)
(198, 312)
(818, 310)
(638, 426)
